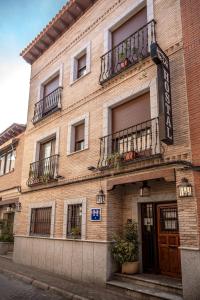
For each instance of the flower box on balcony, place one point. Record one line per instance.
(130, 155)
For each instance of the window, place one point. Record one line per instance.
(81, 66)
(80, 63)
(79, 137)
(131, 113)
(41, 221)
(74, 220)
(7, 162)
(47, 149)
(129, 27)
(51, 86)
(131, 125)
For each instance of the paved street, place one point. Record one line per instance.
(11, 289)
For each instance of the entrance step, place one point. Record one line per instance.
(147, 287)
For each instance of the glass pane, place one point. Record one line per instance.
(8, 159)
(2, 164)
(12, 166)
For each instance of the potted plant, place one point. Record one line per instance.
(114, 160)
(125, 249)
(130, 155)
(6, 237)
(123, 55)
(76, 233)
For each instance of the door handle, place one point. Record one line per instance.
(172, 246)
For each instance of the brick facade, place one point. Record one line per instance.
(86, 96)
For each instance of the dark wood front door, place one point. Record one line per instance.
(160, 239)
(168, 240)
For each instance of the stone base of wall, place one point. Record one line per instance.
(88, 261)
(5, 247)
(190, 262)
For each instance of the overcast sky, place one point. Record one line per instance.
(20, 22)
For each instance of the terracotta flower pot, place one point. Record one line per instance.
(124, 63)
(130, 267)
(130, 155)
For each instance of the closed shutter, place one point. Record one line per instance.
(131, 113)
(81, 70)
(51, 86)
(129, 27)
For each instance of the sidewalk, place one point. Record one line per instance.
(56, 283)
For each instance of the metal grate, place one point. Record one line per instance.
(127, 53)
(137, 142)
(47, 105)
(74, 220)
(43, 171)
(40, 221)
(169, 219)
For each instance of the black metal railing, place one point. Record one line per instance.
(47, 105)
(138, 142)
(43, 171)
(127, 53)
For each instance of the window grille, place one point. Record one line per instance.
(74, 220)
(41, 221)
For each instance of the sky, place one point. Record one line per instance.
(20, 22)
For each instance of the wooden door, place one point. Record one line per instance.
(168, 240)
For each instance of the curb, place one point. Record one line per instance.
(42, 285)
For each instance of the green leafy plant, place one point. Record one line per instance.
(114, 160)
(76, 232)
(125, 247)
(6, 234)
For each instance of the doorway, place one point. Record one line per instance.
(160, 239)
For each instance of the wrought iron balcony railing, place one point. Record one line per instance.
(127, 53)
(138, 142)
(43, 171)
(47, 105)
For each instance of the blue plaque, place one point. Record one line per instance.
(95, 214)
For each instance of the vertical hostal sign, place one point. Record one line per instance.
(164, 90)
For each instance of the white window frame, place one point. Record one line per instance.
(51, 204)
(71, 133)
(84, 214)
(44, 137)
(150, 86)
(48, 77)
(86, 49)
(128, 13)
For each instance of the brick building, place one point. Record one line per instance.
(11, 155)
(106, 116)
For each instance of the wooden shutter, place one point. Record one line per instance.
(82, 62)
(79, 132)
(129, 27)
(51, 86)
(131, 113)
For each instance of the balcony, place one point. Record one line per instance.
(43, 171)
(128, 53)
(135, 143)
(47, 105)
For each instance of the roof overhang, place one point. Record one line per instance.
(11, 132)
(166, 174)
(64, 19)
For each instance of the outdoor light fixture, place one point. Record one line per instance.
(145, 189)
(15, 207)
(185, 188)
(100, 197)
